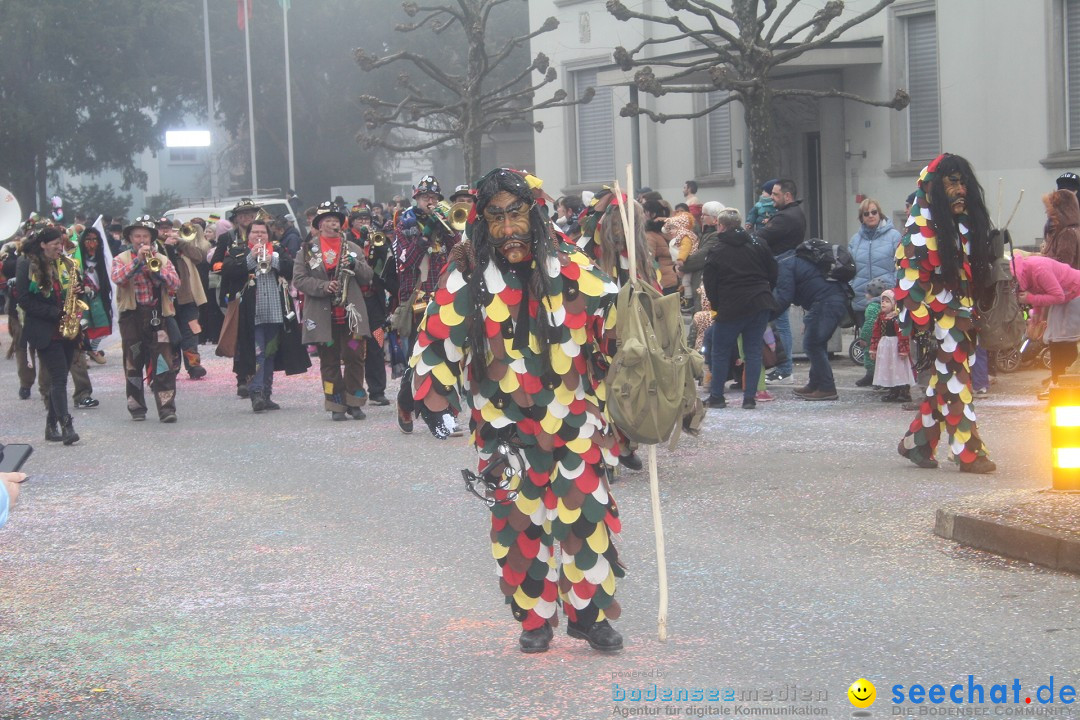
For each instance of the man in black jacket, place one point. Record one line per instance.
(739, 276)
(803, 283)
(783, 233)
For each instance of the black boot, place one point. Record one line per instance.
(270, 404)
(257, 402)
(903, 394)
(601, 636)
(70, 437)
(536, 641)
(866, 380)
(52, 430)
(890, 395)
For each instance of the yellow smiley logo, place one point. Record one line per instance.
(862, 693)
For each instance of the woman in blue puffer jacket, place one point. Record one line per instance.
(874, 251)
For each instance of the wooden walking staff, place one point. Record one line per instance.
(629, 232)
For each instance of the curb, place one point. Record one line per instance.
(1056, 551)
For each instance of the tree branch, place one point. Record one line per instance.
(898, 102)
(631, 109)
(780, 21)
(795, 52)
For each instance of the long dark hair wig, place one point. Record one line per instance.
(976, 218)
(533, 273)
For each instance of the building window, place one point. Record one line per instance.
(182, 155)
(924, 116)
(1072, 72)
(719, 134)
(595, 130)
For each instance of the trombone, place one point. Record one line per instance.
(453, 218)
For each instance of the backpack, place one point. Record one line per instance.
(837, 265)
(834, 261)
(652, 381)
(999, 321)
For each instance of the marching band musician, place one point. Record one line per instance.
(268, 335)
(184, 253)
(43, 284)
(329, 269)
(235, 240)
(146, 284)
(421, 249)
(377, 253)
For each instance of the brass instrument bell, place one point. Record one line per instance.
(187, 232)
(459, 215)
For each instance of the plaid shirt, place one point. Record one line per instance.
(412, 243)
(133, 270)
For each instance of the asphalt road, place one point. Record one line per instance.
(284, 566)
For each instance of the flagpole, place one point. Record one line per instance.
(288, 95)
(251, 100)
(209, 100)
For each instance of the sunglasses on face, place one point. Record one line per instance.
(869, 213)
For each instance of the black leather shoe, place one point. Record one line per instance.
(168, 418)
(86, 403)
(67, 429)
(601, 636)
(357, 413)
(866, 380)
(338, 416)
(270, 404)
(630, 462)
(536, 641)
(242, 391)
(714, 402)
(24, 393)
(197, 372)
(379, 400)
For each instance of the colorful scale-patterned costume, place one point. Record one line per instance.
(927, 303)
(556, 417)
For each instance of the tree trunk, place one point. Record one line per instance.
(471, 147)
(764, 157)
(41, 165)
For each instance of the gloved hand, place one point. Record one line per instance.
(435, 422)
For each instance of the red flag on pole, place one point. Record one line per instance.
(243, 14)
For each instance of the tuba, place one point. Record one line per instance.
(74, 306)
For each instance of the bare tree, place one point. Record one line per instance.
(464, 106)
(742, 47)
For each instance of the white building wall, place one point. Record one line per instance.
(995, 96)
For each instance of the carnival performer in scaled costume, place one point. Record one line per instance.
(531, 325)
(943, 264)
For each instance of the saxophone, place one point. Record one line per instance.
(73, 305)
(342, 275)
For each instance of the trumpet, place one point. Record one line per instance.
(263, 260)
(153, 262)
(377, 239)
(188, 232)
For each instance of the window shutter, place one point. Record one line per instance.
(719, 123)
(595, 131)
(924, 116)
(1072, 70)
